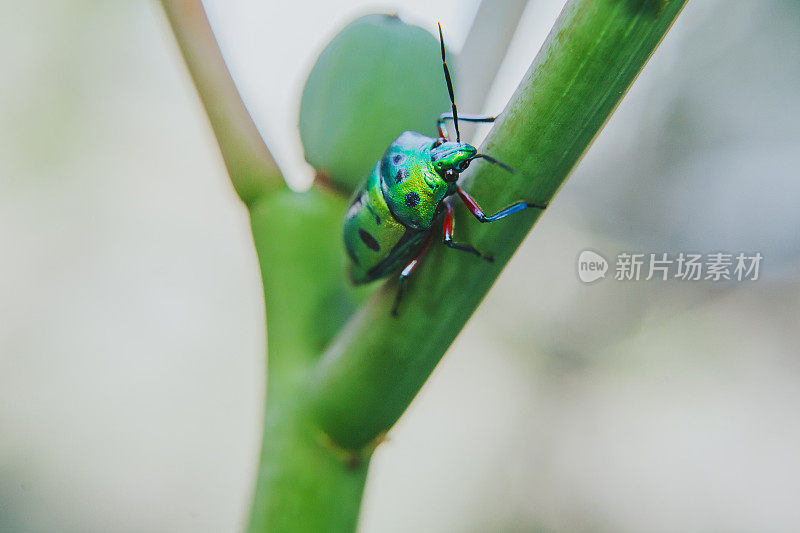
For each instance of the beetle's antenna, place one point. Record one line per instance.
(494, 161)
(449, 84)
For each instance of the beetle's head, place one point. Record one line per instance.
(449, 159)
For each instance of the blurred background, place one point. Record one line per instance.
(131, 320)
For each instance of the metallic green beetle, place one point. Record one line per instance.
(388, 224)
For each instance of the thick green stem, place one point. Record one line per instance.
(378, 363)
(250, 165)
(305, 482)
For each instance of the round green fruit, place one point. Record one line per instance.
(377, 78)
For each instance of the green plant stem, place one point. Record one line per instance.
(252, 170)
(378, 363)
(305, 483)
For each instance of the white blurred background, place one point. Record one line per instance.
(131, 321)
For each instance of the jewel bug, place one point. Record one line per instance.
(388, 225)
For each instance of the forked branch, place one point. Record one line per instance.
(252, 170)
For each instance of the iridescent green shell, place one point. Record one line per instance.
(390, 213)
(393, 210)
(412, 188)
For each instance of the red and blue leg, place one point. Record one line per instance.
(449, 224)
(477, 212)
(408, 270)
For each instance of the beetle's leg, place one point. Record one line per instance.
(449, 223)
(408, 270)
(476, 211)
(466, 118)
(442, 130)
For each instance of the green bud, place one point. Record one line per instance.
(377, 78)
